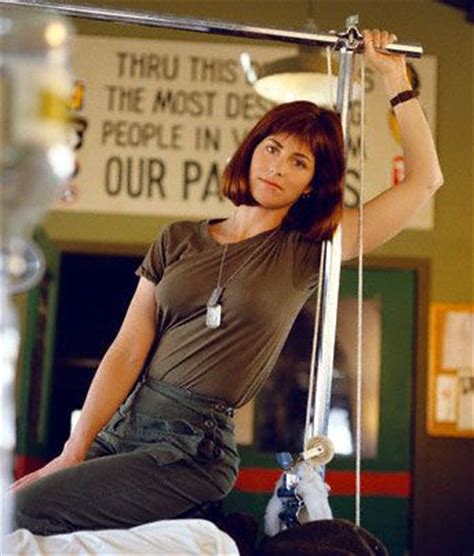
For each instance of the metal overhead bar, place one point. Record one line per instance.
(208, 26)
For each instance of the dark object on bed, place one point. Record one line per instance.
(335, 537)
(325, 537)
(242, 527)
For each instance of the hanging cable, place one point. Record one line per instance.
(329, 70)
(360, 296)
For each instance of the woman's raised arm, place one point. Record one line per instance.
(388, 213)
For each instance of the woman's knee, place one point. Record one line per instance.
(26, 506)
(32, 511)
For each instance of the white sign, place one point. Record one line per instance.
(163, 117)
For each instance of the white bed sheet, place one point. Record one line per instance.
(170, 537)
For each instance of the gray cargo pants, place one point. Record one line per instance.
(163, 453)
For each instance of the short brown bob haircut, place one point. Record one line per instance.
(317, 215)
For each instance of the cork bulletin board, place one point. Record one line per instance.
(451, 370)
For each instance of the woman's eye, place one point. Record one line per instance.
(271, 148)
(300, 163)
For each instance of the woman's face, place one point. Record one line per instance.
(281, 170)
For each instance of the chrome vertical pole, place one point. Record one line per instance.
(331, 262)
(330, 276)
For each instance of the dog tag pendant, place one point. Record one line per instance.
(214, 309)
(213, 316)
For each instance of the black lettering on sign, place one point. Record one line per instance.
(107, 130)
(184, 103)
(213, 70)
(232, 105)
(122, 133)
(156, 175)
(207, 139)
(135, 177)
(205, 183)
(353, 145)
(163, 67)
(212, 186)
(147, 66)
(369, 80)
(351, 192)
(248, 106)
(113, 176)
(191, 175)
(124, 99)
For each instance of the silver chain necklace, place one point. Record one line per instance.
(214, 308)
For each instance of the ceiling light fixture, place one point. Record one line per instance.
(306, 76)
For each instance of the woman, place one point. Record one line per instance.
(212, 309)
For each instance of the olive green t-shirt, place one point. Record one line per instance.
(259, 306)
